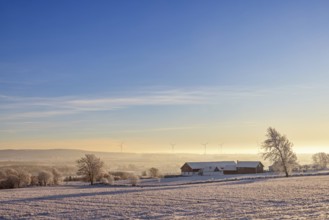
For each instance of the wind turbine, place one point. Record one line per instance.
(205, 148)
(220, 149)
(173, 147)
(121, 147)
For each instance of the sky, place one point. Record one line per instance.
(148, 75)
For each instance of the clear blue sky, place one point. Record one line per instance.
(90, 74)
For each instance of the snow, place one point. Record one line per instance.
(249, 164)
(212, 165)
(305, 197)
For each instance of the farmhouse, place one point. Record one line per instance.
(222, 167)
(206, 168)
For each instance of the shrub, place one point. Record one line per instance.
(109, 178)
(74, 178)
(11, 182)
(45, 178)
(11, 171)
(120, 175)
(144, 173)
(154, 172)
(57, 176)
(34, 181)
(103, 180)
(133, 179)
(24, 178)
(3, 175)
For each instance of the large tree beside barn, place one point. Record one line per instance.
(278, 149)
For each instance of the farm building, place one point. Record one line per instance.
(245, 167)
(230, 169)
(222, 167)
(206, 168)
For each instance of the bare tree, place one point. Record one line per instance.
(90, 166)
(321, 160)
(278, 149)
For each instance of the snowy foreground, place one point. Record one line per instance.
(281, 198)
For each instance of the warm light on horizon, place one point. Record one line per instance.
(109, 145)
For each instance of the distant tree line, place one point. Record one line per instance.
(321, 160)
(17, 178)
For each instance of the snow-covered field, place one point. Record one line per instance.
(281, 198)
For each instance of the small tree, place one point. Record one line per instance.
(45, 178)
(278, 149)
(57, 176)
(24, 178)
(154, 172)
(144, 173)
(90, 166)
(321, 160)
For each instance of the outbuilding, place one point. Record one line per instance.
(249, 167)
(205, 168)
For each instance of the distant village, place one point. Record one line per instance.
(222, 167)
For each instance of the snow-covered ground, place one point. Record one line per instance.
(193, 179)
(280, 198)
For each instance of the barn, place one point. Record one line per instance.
(230, 170)
(249, 167)
(205, 168)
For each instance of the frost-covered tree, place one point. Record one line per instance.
(57, 176)
(45, 178)
(321, 160)
(11, 171)
(90, 166)
(154, 172)
(278, 149)
(3, 175)
(107, 180)
(34, 181)
(11, 182)
(24, 178)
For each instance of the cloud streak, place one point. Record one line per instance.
(13, 107)
(38, 107)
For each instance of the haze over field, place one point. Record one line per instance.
(142, 75)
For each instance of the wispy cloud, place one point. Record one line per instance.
(38, 107)
(13, 107)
